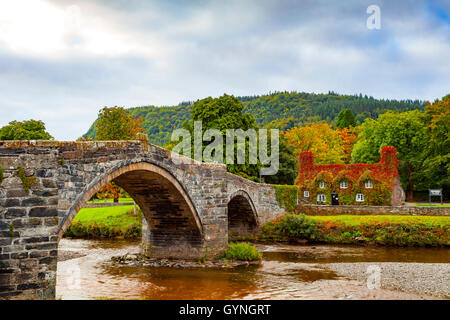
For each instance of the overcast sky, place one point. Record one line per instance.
(62, 60)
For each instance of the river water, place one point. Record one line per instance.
(85, 271)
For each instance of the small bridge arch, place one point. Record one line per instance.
(171, 220)
(242, 214)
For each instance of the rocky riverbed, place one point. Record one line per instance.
(138, 260)
(420, 278)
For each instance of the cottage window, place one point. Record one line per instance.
(321, 197)
(359, 197)
(343, 185)
(306, 194)
(321, 184)
(368, 184)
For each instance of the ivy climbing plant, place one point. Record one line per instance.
(286, 196)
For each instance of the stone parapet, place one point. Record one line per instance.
(328, 210)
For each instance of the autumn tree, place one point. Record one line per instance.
(348, 137)
(111, 191)
(117, 123)
(320, 139)
(25, 130)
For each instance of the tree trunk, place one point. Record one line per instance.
(410, 192)
(116, 199)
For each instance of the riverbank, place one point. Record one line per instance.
(106, 222)
(433, 231)
(390, 230)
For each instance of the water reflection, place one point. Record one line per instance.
(336, 254)
(287, 272)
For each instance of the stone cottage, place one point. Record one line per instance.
(351, 184)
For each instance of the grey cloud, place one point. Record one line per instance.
(207, 48)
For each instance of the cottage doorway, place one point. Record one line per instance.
(334, 198)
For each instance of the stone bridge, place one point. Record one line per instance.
(189, 208)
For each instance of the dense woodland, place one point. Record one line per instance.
(282, 110)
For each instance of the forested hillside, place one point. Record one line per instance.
(281, 110)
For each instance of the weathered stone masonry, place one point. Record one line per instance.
(188, 208)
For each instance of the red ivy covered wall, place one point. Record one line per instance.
(383, 176)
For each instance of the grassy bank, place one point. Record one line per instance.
(380, 230)
(108, 222)
(445, 205)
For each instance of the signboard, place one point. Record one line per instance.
(435, 193)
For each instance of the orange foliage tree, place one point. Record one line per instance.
(348, 139)
(111, 191)
(117, 123)
(327, 145)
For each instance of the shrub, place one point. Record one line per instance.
(1, 175)
(242, 251)
(296, 227)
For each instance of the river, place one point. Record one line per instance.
(286, 272)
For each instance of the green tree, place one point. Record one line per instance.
(25, 130)
(407, 132)
(437, 166)
(225, 112)
(116, 123)
(345, 119)
(288, 169)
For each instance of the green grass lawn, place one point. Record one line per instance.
(107, 222)
(445, 205)
(352, 220)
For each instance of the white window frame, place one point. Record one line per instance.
(343, 185)
(321, 197)
(359, 197)
(368, 184)
(305, 194)
(322, 184)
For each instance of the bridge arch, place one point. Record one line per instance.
(242, 214)
(172, 228)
